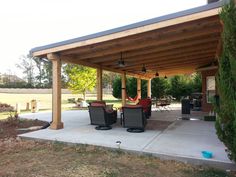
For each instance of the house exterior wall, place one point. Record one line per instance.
(206, 107)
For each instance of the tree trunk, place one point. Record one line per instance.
(84, 95)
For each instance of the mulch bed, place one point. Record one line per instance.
(8, 127)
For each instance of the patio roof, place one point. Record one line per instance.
(177, 43)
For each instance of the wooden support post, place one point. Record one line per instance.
(18, 108)
(99, 84)
(27, 106)
(149, 88)
(123, 88)
(56, 91)
(138, 89)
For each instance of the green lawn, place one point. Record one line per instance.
(46, 101)
(4, 115)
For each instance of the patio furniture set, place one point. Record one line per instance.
(133, 117)
(163, 104)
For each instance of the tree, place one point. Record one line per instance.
(107, 78)
(144, 89)
(180, 86)
(226, 82)
(47, 73)
(80, 78)
(27, 66)
(131, 87)
(197, 82)
(39, 66)
(116, 85)
(159, 87)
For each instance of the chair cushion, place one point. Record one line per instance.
(97, 104)
(132, 106)
(109, 108)
(145, 103)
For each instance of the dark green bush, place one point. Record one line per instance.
(226, 82)
(180, 86)
(6, 107)
(177, 86)
(116, 84)
(159, 87)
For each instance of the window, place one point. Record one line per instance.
(210, 88)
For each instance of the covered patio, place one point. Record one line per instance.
(167, 138)
(178, 43)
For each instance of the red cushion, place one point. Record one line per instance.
(97, 104)
(132, 106)
(145, 103)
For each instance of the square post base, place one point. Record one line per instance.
(56, 126)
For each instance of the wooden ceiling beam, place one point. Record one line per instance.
(171, 72)
(177, 57)
(153, 42)
(147, 50)
(126, 33)
(190, 68)
(72, 61)
(168, 53)
(176, 64)
(206, 59)
(202, 23)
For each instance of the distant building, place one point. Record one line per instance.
(10, 79)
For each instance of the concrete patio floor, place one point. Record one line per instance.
(182, 140)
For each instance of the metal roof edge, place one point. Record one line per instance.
(134, 25)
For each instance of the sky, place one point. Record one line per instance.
(25, 24)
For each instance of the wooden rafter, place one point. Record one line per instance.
(142, 29)
(141, 59)
(167, 47)
(149, 41)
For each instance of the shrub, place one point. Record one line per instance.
(180, 86)
(226, 82)
(80, 100)
(6, 107)
(71, 100)
(159, 87)
(176, 86)
(116, 85)
(131, 87)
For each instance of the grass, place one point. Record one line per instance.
(46, 101)
(28, 158)
(4, 115)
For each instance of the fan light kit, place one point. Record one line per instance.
(144, 70)
(121, 62)
(157, 74)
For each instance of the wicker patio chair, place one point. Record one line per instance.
(101, 117)
(134, 118)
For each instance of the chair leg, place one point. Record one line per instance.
(135, 130)
(103, 127)
(121, 118)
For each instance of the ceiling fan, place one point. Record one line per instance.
(121, 62)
